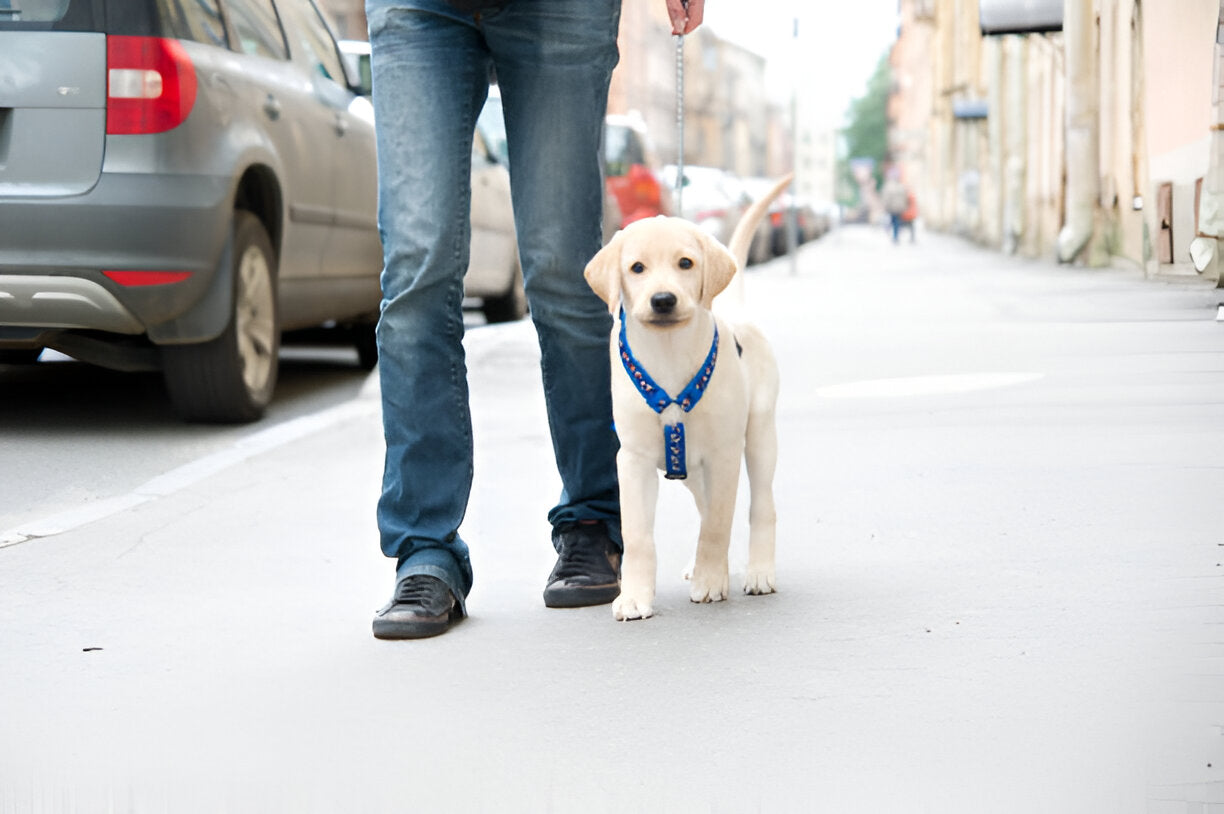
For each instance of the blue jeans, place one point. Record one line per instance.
(431, 64)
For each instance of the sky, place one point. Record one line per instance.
(839, 44)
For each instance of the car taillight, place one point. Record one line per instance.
(142, 277)
(150, 85)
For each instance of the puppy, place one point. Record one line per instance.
(692, 392)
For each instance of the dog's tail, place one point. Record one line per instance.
(741, 239)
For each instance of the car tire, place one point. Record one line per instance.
(511, 305)
(230, 379)
(365, 339)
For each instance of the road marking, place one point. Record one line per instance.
(189, 474)
(924, 385)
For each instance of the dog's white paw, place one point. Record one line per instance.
(626, 607)
(706, 589)
(759, 581)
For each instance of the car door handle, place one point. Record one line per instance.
(272, 107)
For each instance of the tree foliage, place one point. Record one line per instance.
(865, 135)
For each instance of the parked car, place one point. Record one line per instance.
(494, 274)
(820, 217)
(494, 277)
(180, 182)
(776, 238)
(715, 200)
(630, 180)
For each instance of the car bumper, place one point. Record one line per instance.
(54, 252)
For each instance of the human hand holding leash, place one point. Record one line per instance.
(685, 16)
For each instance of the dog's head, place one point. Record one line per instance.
(662, 269)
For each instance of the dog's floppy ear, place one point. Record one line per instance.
(603, 273)
(718, 270)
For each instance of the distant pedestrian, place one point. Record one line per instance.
(897, 199)
(909, 216)
(553, 61)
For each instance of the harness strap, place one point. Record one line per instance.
(674, 457)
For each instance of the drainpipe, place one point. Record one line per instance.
(1205, 248)
(1083, 130)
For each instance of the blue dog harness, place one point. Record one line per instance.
(673, 434)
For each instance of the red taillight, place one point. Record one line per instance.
(150, 85)
(775, 218)
(135, 278)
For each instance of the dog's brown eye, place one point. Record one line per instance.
(637, 268)
(685, 263)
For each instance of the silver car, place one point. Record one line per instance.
(180, 181)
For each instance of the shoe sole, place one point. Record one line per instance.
(580, 597)
(384, 629)
(409, 631)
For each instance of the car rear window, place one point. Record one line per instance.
(183, 19)
(55, 15)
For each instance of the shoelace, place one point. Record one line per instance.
(421, 591)
(580, 558)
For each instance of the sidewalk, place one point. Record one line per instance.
(999, 588)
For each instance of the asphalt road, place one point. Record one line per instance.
(999, 568)
(75, 434)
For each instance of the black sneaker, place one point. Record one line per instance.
(588, 567)
(422, 606)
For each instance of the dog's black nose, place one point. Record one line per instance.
(663, 302)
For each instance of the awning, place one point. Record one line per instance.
(970, 108)
(1020, 16)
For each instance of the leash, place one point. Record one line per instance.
(680, 120)
(674, 457)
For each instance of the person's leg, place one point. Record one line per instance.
(430, 80)
(553, 63)
(554, 94)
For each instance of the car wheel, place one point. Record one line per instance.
(230, 379)
(509, 306)
(365, 339)
(20, 356)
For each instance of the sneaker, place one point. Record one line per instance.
(422, 606)
(588, 567)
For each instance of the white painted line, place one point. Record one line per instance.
(192, 473)
(924, 385)
(71, 519)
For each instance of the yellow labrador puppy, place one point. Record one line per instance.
(692, 393)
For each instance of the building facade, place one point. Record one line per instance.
(729, 121)
(733, 118)
(1097, 143)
